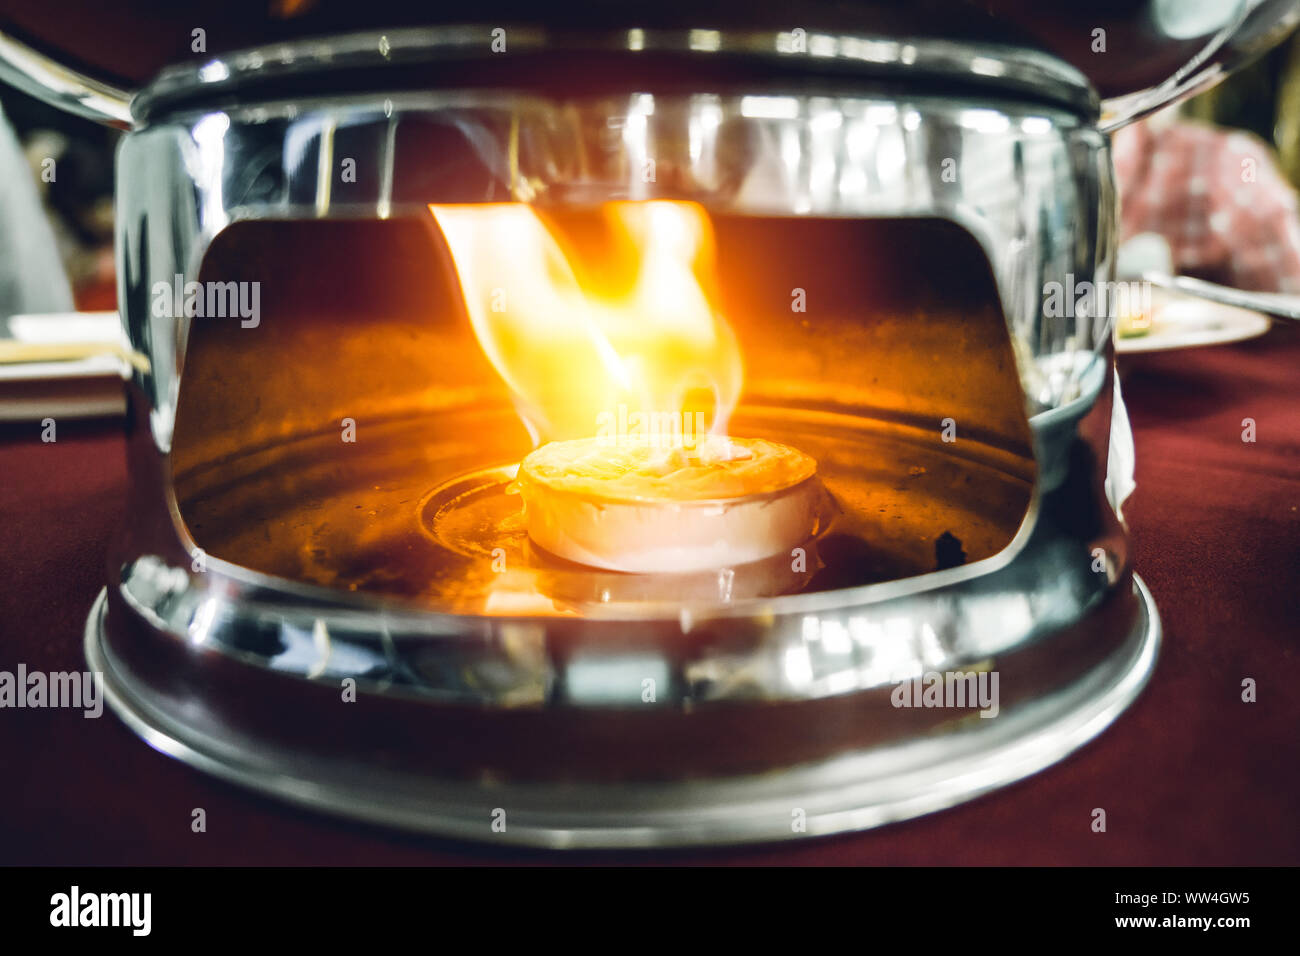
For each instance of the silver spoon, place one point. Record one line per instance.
(1277, 304)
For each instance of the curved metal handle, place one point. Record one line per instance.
(1277, 304)
(39, 76)
(1256, 27)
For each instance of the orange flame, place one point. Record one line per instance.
(577, 358)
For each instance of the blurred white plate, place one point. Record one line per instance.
(85, 385)
(1182, 322)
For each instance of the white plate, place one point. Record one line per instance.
(88, 387)
(1183, 322)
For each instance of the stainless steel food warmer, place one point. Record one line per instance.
(323, 620)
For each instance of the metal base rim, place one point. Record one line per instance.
(838, 796)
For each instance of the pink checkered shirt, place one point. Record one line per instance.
(1219, 199)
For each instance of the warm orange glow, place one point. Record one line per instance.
(583, 361)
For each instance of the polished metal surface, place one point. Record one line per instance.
(1031, 183)
(1154, 52)
(1279, 304)
(849, 792)
(1236, 32)
(757, 697)
(1001, 68)
(46, 79)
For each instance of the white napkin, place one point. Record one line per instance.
(1121, 460)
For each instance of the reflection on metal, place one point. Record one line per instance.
(845, 793)
(39, 76)
(1019, 70)
(761, 701)
(1025, 180)
(1237, 33)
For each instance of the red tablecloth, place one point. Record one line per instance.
(1189, 775)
